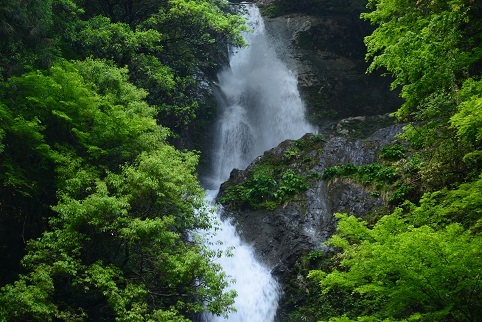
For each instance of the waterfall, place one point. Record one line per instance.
(261, 108)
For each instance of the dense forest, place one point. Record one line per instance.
(100, 201)
(97, 208)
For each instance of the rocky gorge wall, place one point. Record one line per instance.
(324, 44)
(304, 222)
(301, 224)
(325, 49)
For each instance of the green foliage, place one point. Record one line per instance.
(30, 33)
(423, 45)
(422, 262)
(82, 110)
(432, 49)
(85, 171)
(167, 46)
(122, 203)
(86, 176)
(406, 271)
(116, 41)
(396, 179)
(127, 11)
(467, 121)
(265, 188)
(409, 265)
(400, 194)
(392, 152)
(279, 177)
(373, 173)
(22, 29)
(461, 205)
(291, 153)
(468, 118)
(303, 153)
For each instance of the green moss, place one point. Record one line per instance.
(311, 142)
(371, 174)
(396, 178)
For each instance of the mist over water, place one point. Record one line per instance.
(262, 107)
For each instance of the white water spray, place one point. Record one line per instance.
(263, 109)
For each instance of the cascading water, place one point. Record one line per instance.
(262, 108)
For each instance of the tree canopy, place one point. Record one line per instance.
(117, 241)
(98, 211)
(408, 272)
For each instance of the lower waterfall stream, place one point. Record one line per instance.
(261, 108)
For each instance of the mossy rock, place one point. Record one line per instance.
(278, 176)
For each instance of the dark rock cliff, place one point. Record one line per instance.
(302, 224)
(323, 40)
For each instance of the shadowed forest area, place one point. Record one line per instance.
(97, 207)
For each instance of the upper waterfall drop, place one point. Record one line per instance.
(261, 108)
(262, 98)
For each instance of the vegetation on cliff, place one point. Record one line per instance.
(275, 179)
(421, 261)
(97, 208)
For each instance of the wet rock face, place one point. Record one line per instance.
(327, 52)
(302, 224)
